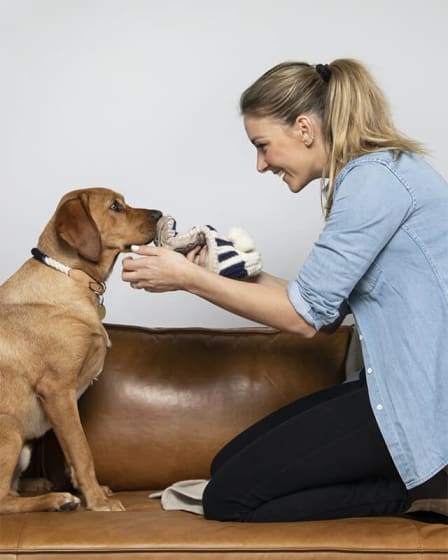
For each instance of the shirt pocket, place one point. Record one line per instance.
(367, 283)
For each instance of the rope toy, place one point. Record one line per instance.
(233, 256)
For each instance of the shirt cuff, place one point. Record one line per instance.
(302, 307)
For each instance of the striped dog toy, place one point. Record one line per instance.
(233, 255)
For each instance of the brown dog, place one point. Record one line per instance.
(52, 341)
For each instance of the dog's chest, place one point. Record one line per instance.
(93, 364)
(36, 423)
(84, 388)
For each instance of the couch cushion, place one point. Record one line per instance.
(146, 531)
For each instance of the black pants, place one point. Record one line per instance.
(320, 457)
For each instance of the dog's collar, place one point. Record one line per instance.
(96, 286)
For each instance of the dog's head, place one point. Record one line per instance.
(95, 220)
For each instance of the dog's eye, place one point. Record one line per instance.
(116, 206)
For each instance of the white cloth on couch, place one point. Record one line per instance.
(184, 495)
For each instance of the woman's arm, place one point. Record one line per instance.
(266, 279)
(264, 301)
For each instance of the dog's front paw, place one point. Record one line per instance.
(108, 504)
(107, 491)
(115, 505)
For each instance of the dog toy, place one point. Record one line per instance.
(233, 255)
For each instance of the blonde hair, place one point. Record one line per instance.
(353, 112)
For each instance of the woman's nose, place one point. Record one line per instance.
(262, 165)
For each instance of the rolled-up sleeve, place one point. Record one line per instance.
(370, 205)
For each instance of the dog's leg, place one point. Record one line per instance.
(22, 465)
(62, 411)
(11, 443)
(22, 485)
(35, 485)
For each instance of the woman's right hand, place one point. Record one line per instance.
(198, 255)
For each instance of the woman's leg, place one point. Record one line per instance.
(321, 457)
(276, 418)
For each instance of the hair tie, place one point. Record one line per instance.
(324, 72)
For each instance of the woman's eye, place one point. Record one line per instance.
(116, 206)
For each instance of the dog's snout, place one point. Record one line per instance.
(155, 215)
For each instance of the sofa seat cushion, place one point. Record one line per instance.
(145, 531)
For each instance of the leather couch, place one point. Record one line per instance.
(166, 401)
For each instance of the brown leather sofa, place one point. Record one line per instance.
(166, 401)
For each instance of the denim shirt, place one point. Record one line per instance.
(384, 251)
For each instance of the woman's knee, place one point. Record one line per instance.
(218, 505)
(212, 503)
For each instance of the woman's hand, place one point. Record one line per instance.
(159, 269)
(198, 255)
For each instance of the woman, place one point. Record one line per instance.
(377, 445)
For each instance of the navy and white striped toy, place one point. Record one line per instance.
(233, 256)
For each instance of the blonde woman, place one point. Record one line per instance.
(376, 445)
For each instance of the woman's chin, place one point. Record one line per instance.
(294, 185)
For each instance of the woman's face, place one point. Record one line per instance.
(295, 153)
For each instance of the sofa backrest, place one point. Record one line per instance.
(169, 399)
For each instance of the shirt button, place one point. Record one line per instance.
(379, 407)
(369, 370)
(360, 337)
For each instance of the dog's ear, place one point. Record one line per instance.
(75, 226)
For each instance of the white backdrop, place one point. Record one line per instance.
(142, 96)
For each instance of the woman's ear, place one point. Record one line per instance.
(304, 128)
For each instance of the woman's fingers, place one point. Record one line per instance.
(198, 255)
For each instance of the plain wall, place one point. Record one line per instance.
(142, 96)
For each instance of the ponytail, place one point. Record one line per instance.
(356, 120)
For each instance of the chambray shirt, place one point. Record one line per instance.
(384, 251)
